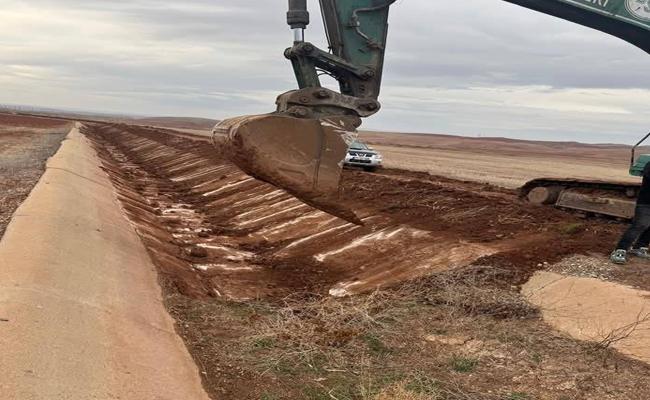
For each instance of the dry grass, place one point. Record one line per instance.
(461, 335)
(352, 340)
(400, 392)
(475, 290)
(322, 331)
(317, 328)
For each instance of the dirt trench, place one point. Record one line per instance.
(215, 232)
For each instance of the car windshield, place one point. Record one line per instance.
(359, 146)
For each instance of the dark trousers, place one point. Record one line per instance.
(638, 234)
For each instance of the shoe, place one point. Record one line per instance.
(619, 257)
(641, 252)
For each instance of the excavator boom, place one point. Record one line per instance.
(301, 146)
(625, 19)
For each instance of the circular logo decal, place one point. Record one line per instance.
(639, 8)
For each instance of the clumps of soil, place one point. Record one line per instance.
(529, 236)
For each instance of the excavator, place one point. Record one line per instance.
(300, 147)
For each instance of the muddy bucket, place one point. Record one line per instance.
(302, 156)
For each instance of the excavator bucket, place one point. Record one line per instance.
(302, 156)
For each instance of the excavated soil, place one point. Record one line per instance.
(215, 232)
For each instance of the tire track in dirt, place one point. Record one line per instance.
(214, 231)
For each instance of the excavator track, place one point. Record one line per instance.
(590, 197)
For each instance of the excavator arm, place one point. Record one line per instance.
(300, 146)
(625, 19)
(357, 31)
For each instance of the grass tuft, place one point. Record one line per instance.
(517, 396)
(375, 345)
(423, 385)
(263, 343)
(463, 364)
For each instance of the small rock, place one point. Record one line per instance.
(450, 340)
(473, 345)
(567, 385)
(196, 251)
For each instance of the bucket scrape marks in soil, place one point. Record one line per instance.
(396, 254)
(217, 232)
(467, 214)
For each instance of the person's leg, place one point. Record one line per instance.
(636, 233)
(640, 224)
(643, 242)
(640, 248)
(633, 232)
(637, 230)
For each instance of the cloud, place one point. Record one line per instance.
(471, 67)
(588, 115)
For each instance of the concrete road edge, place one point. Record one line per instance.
(81, 311)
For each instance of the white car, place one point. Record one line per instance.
(360, 155)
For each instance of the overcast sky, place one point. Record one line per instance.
(471, 67)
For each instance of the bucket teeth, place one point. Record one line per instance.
(302, 156)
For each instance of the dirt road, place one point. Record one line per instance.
(80, 306)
